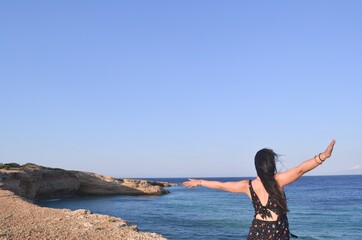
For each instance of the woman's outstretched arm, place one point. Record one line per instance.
(236, 187)
(287, 177)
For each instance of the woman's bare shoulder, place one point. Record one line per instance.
(244, 185)
(287, 177)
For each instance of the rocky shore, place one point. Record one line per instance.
(21, 219)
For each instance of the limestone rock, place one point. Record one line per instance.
(39, 183)
(33, 181)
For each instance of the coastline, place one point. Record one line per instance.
(21, 219)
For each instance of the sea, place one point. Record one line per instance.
(320, 207)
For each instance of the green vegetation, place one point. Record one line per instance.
(7, 166)
(31, 166)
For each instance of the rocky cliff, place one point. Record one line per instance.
(33, 181)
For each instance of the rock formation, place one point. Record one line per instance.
(33, 181)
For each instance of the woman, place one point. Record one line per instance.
(266, 192)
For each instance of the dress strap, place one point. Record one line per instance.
(252, 193)
(250, 188)
(254, 198)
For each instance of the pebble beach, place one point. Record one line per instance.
(21, 219)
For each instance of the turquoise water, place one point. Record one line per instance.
(324, 207)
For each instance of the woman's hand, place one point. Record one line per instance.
(191, 183)
(328, 152)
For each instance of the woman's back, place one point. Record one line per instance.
(264, 204)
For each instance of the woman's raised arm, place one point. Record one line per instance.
(289, 176)
(235, 187)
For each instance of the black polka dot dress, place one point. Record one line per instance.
(268, 230)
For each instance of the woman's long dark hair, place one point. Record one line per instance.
(266, 170)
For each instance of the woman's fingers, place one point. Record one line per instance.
(188, 183)
(329, 150)
(191, 183)
(331, 145)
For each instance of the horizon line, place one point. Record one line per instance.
(321, 175)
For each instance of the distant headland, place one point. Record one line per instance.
(34, 181)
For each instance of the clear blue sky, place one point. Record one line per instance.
(180, 88)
